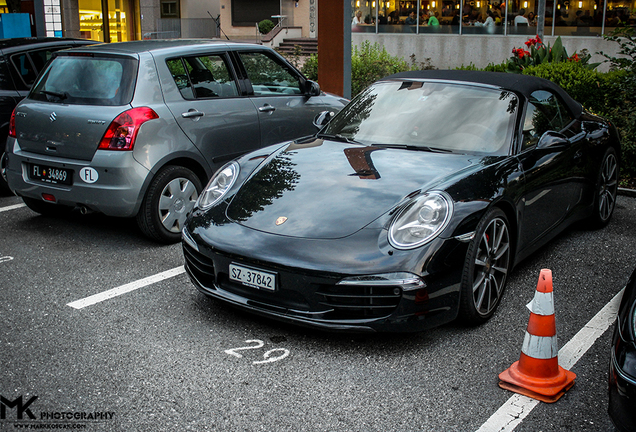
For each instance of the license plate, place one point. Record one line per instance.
(50, 175)
(253, 278)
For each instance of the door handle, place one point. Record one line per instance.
(267, 108)
(191, 114)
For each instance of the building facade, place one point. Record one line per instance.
(460, 35)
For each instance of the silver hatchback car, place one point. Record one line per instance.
(135, 129)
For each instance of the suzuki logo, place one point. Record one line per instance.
(53, 116)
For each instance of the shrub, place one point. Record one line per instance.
(265, 26)
(501, 67)
(580, 83)
(369, 63)
(310, 67)
(620, 92)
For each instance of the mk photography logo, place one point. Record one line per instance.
(19, 409)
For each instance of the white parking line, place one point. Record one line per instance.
(512, 413)
(123, 289)
(11, 207)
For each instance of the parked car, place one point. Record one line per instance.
(622, 373)
(21, 60)
(134, 129)
(409, 208)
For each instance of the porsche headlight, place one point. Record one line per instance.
(218, 186)
(421, 220)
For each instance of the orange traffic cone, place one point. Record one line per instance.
(537, 374)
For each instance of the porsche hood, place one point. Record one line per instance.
(328, 190)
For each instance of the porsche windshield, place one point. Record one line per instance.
(431, 115)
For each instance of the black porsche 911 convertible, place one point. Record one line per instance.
(409, 208)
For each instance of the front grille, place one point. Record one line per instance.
(199, 266)
(352, 302)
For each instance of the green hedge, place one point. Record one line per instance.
(369, 63)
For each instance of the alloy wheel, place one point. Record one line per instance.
(608, 187)
(492, 262)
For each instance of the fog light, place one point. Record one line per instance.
(48, 197)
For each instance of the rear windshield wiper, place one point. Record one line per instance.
(413, 147)
(60, 96)
(337, 137)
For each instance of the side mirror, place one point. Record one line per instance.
(323, 118)
(552, 139)
(590, 126)
(312, 88)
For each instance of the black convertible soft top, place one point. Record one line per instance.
(523, 84)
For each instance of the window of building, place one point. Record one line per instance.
(249, 12)
(119, 19)
(170, 9)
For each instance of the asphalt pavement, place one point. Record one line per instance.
(153, 354)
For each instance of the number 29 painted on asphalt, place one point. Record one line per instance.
(259, 344)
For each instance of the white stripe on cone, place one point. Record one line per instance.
(542, 303)
(540, 347)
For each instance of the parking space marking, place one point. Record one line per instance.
(512, 413)
(11, 207)
(123, 289)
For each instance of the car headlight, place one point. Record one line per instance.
(219, 184)
(421, 220)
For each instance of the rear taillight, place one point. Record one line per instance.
(123, 130)
(12, 125)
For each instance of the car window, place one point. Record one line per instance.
(203, 77)
(26, 70)
(544, 112)
(268, 77)
(430, 115)
(87, 80)
(29, 64)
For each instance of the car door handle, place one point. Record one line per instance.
(191, 114)
(267, 108)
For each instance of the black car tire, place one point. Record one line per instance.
(605, 191)
(169, 199)
(4, 187)
(488, 262)
(47, 209)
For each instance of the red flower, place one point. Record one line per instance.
(530, 42)
(539, 40)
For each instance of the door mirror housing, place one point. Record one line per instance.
(552, 140)
(312, 88)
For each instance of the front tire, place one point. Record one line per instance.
(606, 190)
(488, 262)
(169, 199)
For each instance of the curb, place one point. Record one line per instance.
(627, 192)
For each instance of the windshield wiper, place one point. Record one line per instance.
(60, 96)
(413, 147)
(337, 137)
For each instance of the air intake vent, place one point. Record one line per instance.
(351, 302)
